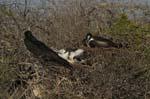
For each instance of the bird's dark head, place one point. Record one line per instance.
(28, 34)
(88, 36)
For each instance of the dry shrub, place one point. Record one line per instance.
(109, 73)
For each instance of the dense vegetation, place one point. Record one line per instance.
(110, 73)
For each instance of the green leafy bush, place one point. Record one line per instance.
(128, 32)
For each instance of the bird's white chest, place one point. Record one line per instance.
(69, 56)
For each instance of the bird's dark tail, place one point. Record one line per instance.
(121, 46)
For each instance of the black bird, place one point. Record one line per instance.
(40, 50)
(97, 41)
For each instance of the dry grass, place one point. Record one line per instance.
(109, 74)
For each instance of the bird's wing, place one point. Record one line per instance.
(53, 57)
(102, 39)
(32, 47)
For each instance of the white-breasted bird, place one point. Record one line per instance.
(72, 55)
(97, 41)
